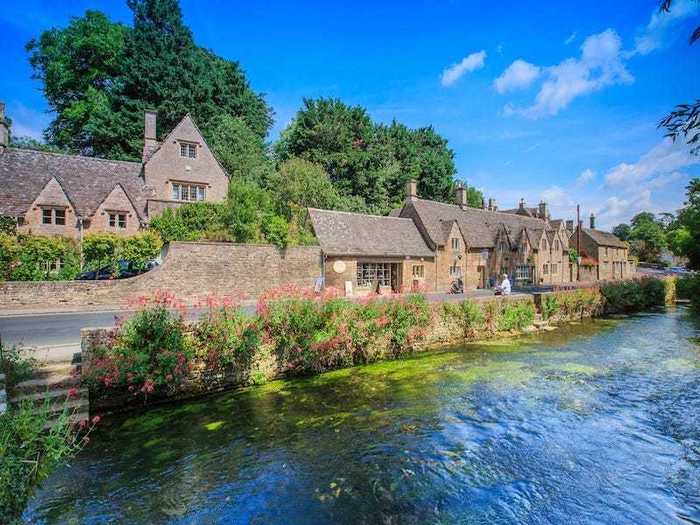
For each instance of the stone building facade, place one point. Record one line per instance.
(476, 245)
(71, 195)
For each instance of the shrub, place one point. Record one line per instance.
(28, 452)
(492, 314)
(688, 287)
(150, 350)
(227, 338)
(140, 248)
(407, 322)
(40, 258)
(100, 249)
(549, 305)
(15, 365)
(516, 315)
(467, 315)
(633, 296)
(8, 254)
(578, 304)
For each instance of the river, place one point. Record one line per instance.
(593, 423)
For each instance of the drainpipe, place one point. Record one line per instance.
(80, 230)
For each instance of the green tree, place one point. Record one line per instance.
(240, 151)
(246, 208)
(99, 76)
(78, 67)
(299, 184)
(689, 218)
(679, 241)
(622, 231)
(647, 237)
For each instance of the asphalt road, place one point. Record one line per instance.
(58, 334)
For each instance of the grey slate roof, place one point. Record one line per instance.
(604, 238)
(478, 226)
(86, 180)
(344, 233)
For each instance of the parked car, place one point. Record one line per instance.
(122, 270)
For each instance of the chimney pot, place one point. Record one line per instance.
(592, 221)
(521, 205)
(544, 210)
(412, 190)
(4, 128)
(483, 203)
(570, 226)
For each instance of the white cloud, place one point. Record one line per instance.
(570, 38)
(663, 159)
(556, 196)
(586, 176)
(468, 64)
(657, 31)
(520, 74)
(600, 65)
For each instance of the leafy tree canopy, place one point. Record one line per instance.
(369, 161)
(622, 231)
(99, 76)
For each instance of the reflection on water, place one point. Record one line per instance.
(596, 423)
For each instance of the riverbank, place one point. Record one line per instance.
(156, 357)
(593, 422)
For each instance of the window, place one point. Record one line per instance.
(117, 220)
(418, 271)
(55, 216)
(455, 243)
(555, 269)
(188, 150)
(545, 269)
(188, 192)
(522, 273)
(370, 273)
(455, 271)
(503, 246)
(556, 245)
(53, 266)
(544, 244)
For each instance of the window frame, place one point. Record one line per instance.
(117, 219)
(418, 271)
(188, 150)
(455, 244)
(56, 215)
(368, 273)
(178, 189)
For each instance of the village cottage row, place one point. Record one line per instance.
(425, 245)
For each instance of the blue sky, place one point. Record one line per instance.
(539, 100)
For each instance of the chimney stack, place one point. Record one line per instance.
(150, 142)
(461, 196)
(592, 221)
(483, 203)
(4, 129)
(412, 190)
(570, 226)
(544, 210)
(492, 205)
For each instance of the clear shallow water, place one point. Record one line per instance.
(596, 423)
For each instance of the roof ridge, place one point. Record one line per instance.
(59, 154)
(361, 214)
(471, 208)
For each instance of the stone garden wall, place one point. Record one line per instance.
(190, 270)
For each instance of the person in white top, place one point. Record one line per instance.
(504, 287)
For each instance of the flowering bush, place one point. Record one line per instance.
(634, 295)
(150, 350)
(226, 338)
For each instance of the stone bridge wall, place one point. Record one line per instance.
(190, 270)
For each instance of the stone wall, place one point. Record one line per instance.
(190, 270)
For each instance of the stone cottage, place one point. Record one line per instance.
(70, 195)
(373, 253)
(606, 257)
(429, 245)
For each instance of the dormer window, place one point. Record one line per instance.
(455, 244)
(55, 216)
(188, 150)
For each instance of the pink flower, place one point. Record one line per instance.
(96, 420)
(73, 392)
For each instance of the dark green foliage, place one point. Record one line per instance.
(549, 306)
(634, 296)
(36, 257)
(28, 453)
(622, 231)
(227, 338)
(99, 77)
(152, 350)
(689, 219)
(369, 161)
